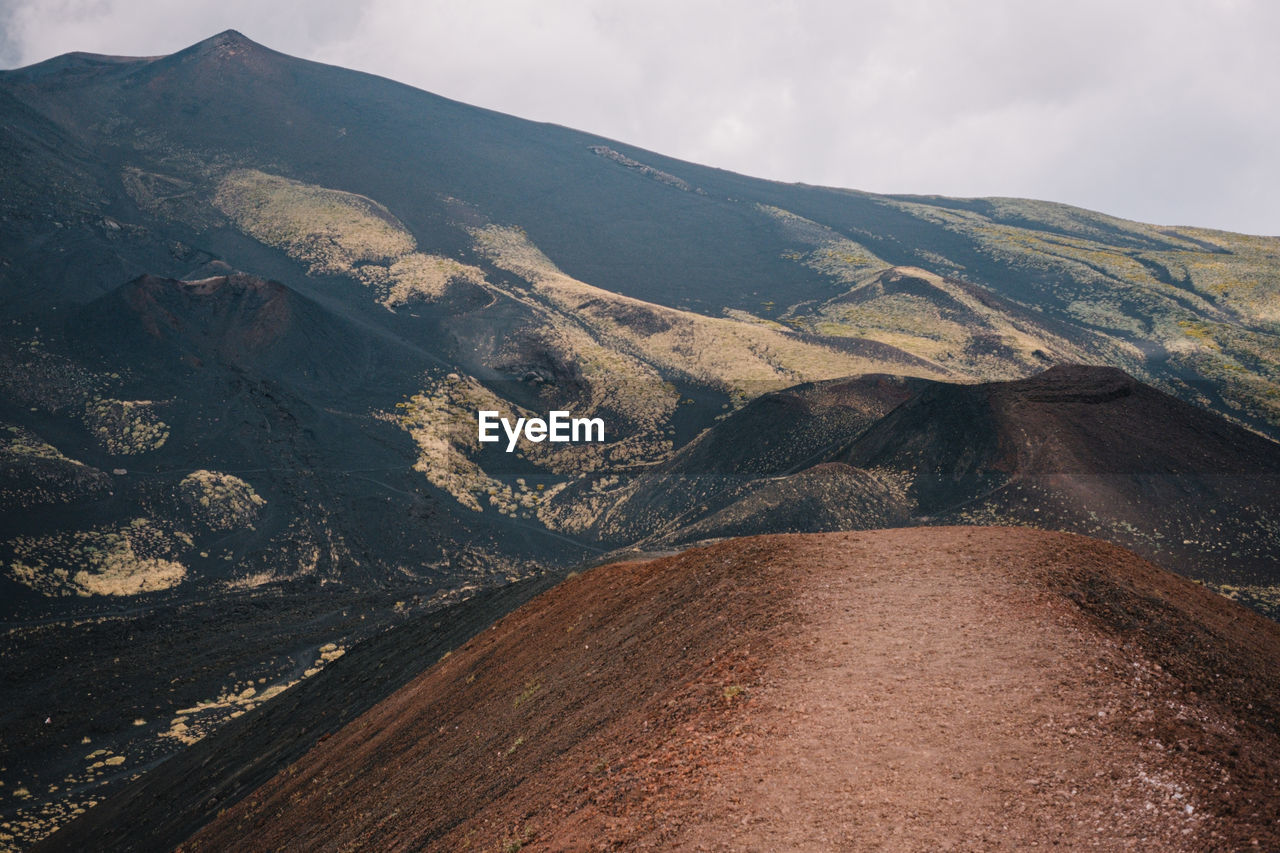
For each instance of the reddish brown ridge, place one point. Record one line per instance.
(929, 688)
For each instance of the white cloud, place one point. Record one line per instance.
(1159, 110)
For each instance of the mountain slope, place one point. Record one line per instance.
(1089, 449)
(775, 434)
(1086, 449)
(165, 136)
(165, 805)
(235, 321)
(251, 305)
(991, 687)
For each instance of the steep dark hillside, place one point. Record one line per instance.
(167, 804)
(1089, 449)
(235, 321)
(778, 433)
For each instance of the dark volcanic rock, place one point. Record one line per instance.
(233, 321)
(1093, 450)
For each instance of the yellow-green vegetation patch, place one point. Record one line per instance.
(329, 229)
(1263, 598)
(1106, 314)
(1243, 274)
(644, 169)
(510, 248)
(943, 321)
(825, 250)
(221, 501)
(193, 724)
(418, 276)
(443, 424)
(18, 445)
(442, 421)
(34, 819)
(1041, 215)
(531, 689)
(1243, 389)
(254, 580)
(32, 471)
(338, 233)
(741, 358)
(331, 652)
(1198, 334)
(1210, 298)
(1088, 260)
(135, 558)
(126, 427)
(1243, 364)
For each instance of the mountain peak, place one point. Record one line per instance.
(229, 37)
(225, 45)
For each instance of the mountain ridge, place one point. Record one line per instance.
(701, 697)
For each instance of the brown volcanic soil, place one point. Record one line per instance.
(935, 688)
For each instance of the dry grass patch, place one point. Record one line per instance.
(221, 501)
(338, 233)
(126, 427)
(32, 471)
(741, 358)
(135, 558)
(826, 251)
(1211, 298)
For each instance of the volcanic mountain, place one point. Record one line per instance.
(251, 305)
(776, 434)
(238, 321)
(1087, 449)
(982, 687)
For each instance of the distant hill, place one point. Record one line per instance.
(234, 321)
(1087, 449)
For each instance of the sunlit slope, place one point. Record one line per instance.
(496, 263)
(417, 198)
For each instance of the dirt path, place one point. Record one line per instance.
(931, 705)
(918, 689)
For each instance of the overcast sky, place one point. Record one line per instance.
(1166, 111)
